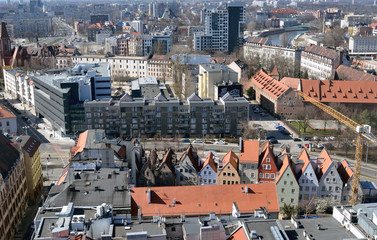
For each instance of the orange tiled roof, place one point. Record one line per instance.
(80, 145)
(250, 152)
(340, 91)
(283, 11)
(204, 199)
(286, 164)
(345, 171)
(5, 113)
(274, 72)
(322, 51)
(239, 234)
(326, 163)
(231, 158)
(259, 40)
(269, 85)
(210, 160)
(351, 74)
(160, 57)
(290, 82)
(136, 33)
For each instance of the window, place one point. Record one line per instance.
(292, 200)
(268, 160)
(272, 175)
(314, 188)
(282, 190)
(293, 190)
(261, 175)
(267, 176)
(224, 182)
(173, 229)
(181, 170)
(252, 175)
(7, 124)
(291, 183)
(282, 199)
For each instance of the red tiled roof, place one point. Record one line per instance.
(345, 171)
(160, 57)
(31, 146)
(5, 113)
(340, 91)
(290, 82)
(283, 11)
(286, 164)
(259, 40)
(80, 145)
(269, 85)
(322, 51)
(326, 163)
(250, 152)
(204, 199)
(239, 234)
(136, 33)
(231, 158)
(274, 72)
(210, 160)
(351, 74)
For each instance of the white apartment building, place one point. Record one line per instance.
(363, 45)
(267, 53)
(8, 121)
(119, 65)
(19, 86)
(319, 62)
(212, 74)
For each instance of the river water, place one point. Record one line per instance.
(284, 39)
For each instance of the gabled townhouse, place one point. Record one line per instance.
(165, 171)
(208, 174)
(307, 178)
(346, 173)
(248, 161)
(330, 183)
(186, 170)
(287, 187)
(267, 168)
(147, 172)
(228, 172)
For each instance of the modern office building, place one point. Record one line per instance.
(130, 117)
(223, 28)
(59, 98)
(363, 45)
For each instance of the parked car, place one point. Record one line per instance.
(299, 145)
(197, 141)
(221, 142)
(270, 137)
(273, 140)
(297, 140)
(285, 132)
(307, 138)
(186, 140)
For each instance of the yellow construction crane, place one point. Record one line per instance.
(362, 131)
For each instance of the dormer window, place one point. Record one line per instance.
(268, 160)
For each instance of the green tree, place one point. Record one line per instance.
(288, 210)
(251, 93)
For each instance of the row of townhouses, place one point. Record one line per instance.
(297, 179)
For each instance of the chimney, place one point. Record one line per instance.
(174, 201)
(139, 215)
(246, 190)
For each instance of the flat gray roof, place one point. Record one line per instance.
(93, 189)
(333, 229)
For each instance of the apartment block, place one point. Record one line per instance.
(32, 158)
(212, 75)
(257, 47)
(223, 28)
(366, 45)
(320, 62)
(130, 117)
(119, 65)
(13, 189)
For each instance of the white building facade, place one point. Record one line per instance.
(363, 45)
